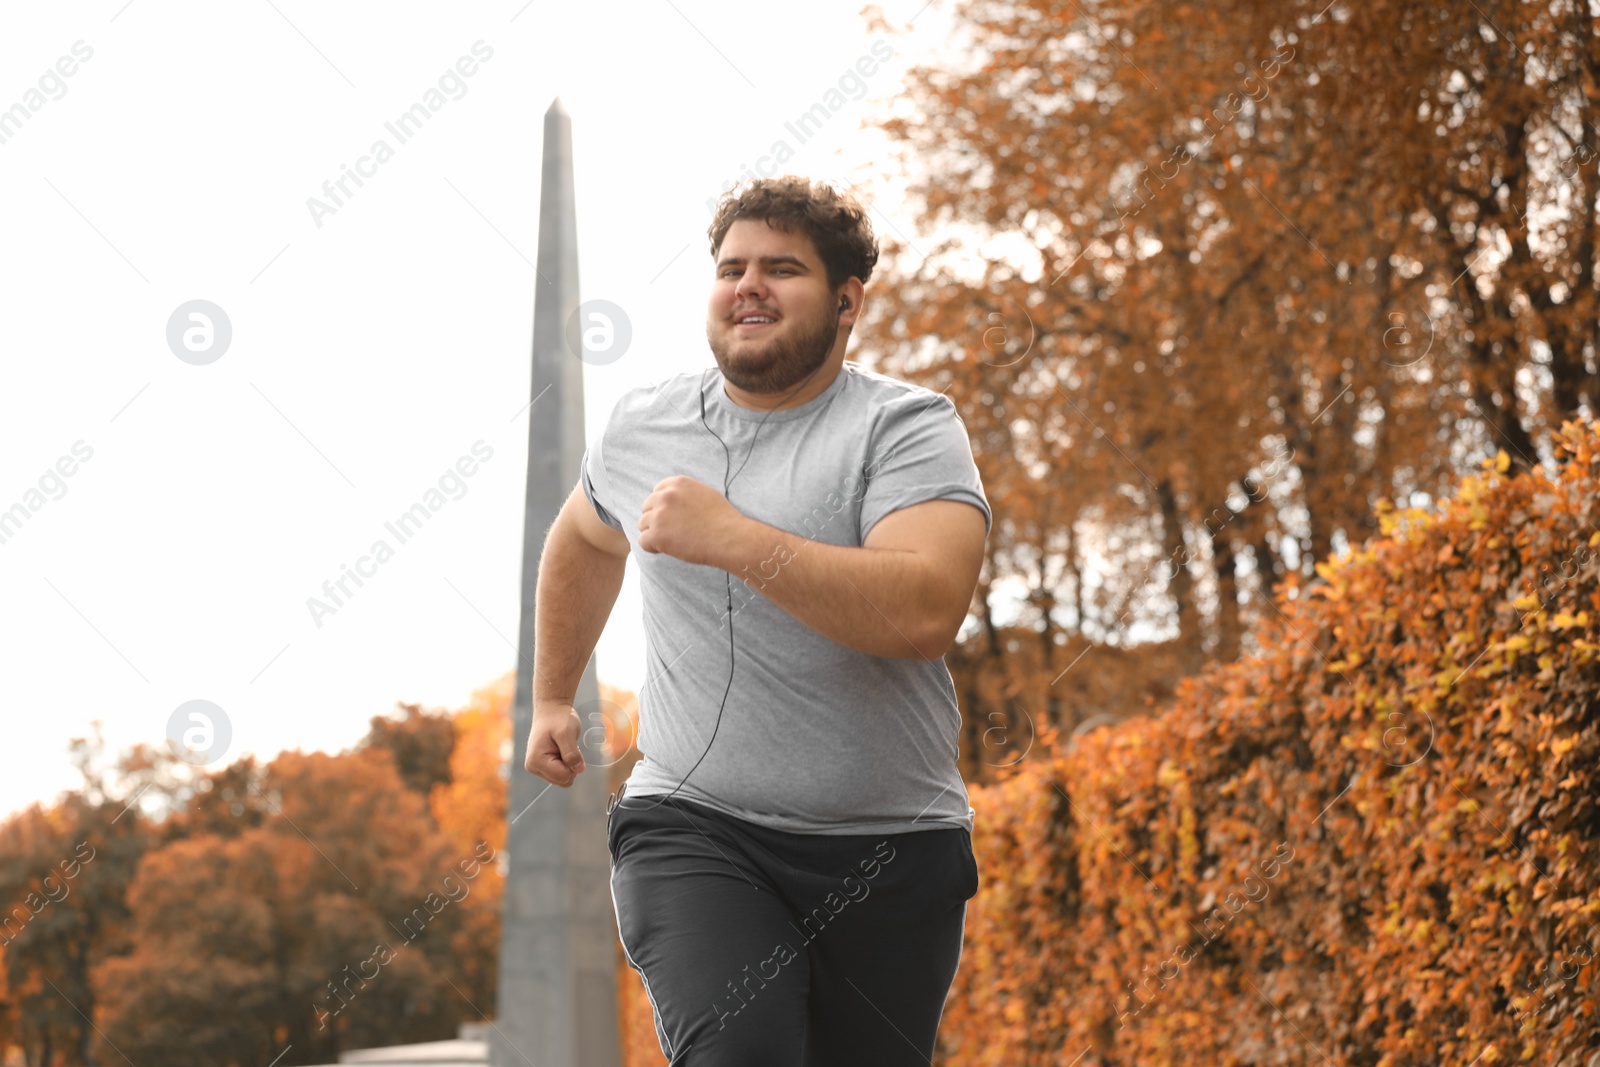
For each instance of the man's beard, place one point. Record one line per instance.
(776, 366)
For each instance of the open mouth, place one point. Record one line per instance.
(751, 323)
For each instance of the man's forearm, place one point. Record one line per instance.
(578, 585)
(874, 600)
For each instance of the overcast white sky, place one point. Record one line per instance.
(207, 503)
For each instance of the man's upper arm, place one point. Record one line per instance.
(924, 495)
(597, 526)
(582, 518)
(948, 535)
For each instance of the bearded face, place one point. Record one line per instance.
(774, 358)
(766, 273)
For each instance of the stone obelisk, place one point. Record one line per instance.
(557, 1004)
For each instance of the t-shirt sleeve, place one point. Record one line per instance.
(920, 452)
(594, 472)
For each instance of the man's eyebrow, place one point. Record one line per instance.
(765, 261)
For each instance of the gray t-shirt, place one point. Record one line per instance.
(816, 737)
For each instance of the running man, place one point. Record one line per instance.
(791, 859)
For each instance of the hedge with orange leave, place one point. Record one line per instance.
(1376, 842)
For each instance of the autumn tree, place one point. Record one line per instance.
(420, 744)
(470, 809)
(64, 872)
(219, 916)
(1209, 282)
(325, 920)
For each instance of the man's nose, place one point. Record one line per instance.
(750, 284)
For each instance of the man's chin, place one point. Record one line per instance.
(757, 345)
(750, 360)
(740, 362)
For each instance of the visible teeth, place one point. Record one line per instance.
(756, 318)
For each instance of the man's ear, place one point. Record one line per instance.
(851, 298)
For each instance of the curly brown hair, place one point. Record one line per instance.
(835, 221)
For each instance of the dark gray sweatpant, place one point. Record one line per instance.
(788, 950)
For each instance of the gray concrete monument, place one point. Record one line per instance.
(557, 1002)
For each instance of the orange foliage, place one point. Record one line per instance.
(252, 939)
(1375, 842)
(471, 807)
(1206, 281)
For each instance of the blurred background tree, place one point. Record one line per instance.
(64, 874)
(1208, 282)
(227, 914)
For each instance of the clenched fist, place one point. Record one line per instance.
(553, 743)
(687, 519)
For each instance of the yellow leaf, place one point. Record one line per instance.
(1502, 462)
